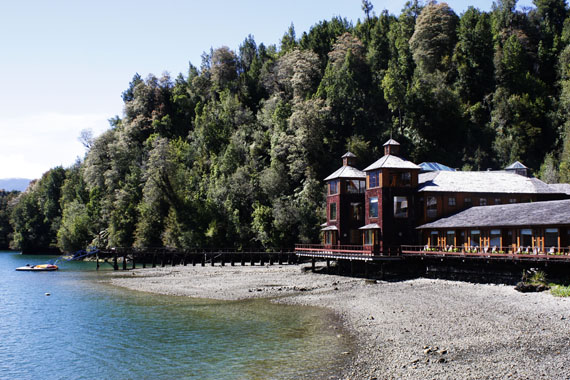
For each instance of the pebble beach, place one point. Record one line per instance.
(409, 329)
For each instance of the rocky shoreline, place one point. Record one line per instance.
(413, 329)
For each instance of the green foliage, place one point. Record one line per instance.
(558, 290)
(233, 153)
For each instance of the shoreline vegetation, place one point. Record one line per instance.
(409, 329)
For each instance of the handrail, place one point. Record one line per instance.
(563, 252)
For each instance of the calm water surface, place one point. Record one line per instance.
(87, 329)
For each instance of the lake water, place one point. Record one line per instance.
(87, 329)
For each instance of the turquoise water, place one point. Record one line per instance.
(87, 329)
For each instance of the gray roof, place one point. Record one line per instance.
(482, 182)
(516, 165)
(348, 154)
(391, 142)
(392, 162)
(330, 228)
(347, 172)
(508, 215)
(563, 188)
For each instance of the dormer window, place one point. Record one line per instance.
(333, 187)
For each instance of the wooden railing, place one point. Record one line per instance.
(522, 252)
(355, 249)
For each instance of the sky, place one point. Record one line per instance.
(64, 64)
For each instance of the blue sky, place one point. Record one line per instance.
(64, 64)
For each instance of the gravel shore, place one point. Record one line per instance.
(414, 329)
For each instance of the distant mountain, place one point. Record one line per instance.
(9, 184)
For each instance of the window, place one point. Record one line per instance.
(406, 178)
(356, 213)
(526, 237)
(433, 238)
(333, 187)
(328, 237)
(512, 200)
(468, 202)
(451, 201)
(497, 201)
(373, 207)
(482, 201)
(373, 179)
(495, 238)
(400, 207)
(355, 186)
(450, 239)
(369, 237)
(332, 211)
(475, 236)
(550, 238)
(431, 207)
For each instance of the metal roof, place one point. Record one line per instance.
(392, 162)
(516, 165)
(509, 215)
(434, 166)
(347, 172)
(482, 182)
(371, 226)
(391, 142)
(348, 154)
(330, 228)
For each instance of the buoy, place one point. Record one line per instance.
(48, 294)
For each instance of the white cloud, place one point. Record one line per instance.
(31, 145)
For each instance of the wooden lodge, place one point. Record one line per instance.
(394, 208)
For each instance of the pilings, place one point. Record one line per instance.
(128, 258)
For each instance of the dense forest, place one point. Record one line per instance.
(234, 152)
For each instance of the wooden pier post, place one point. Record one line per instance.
(124, 261)
(261, 259)
(115, 264)
(134, 265)
(223, 259)
(270, 259)
(312, 264)
(328, 264)
(203, 259)
(252, 259)
(154, 259)
(242, 259)
(232, 259)
(280, 257)
(193, 259)
(352, 267)
(97, 260)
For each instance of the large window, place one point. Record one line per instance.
(482, 201)
(495, 238)
(451, 201)
(333, 187)
(356, 212)
(551, 238)
(400, 207)
(333, 211)
(373, 179)
(329, 237)
(373, 207)
(431, 207)
(475, 237)
(434, 238)
(355, 186)
(467, 202)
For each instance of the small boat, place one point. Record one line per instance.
(38, 268)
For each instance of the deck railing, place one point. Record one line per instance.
(346, 250)
(522, 252)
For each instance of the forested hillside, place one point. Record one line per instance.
(234, 152)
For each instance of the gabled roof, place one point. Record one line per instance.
(482, 182)
(347, 172)
(515, 214)
(516, 165)
(434, 166)
(392, 162)
(348, 154)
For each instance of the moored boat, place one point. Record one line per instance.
(38, 268)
